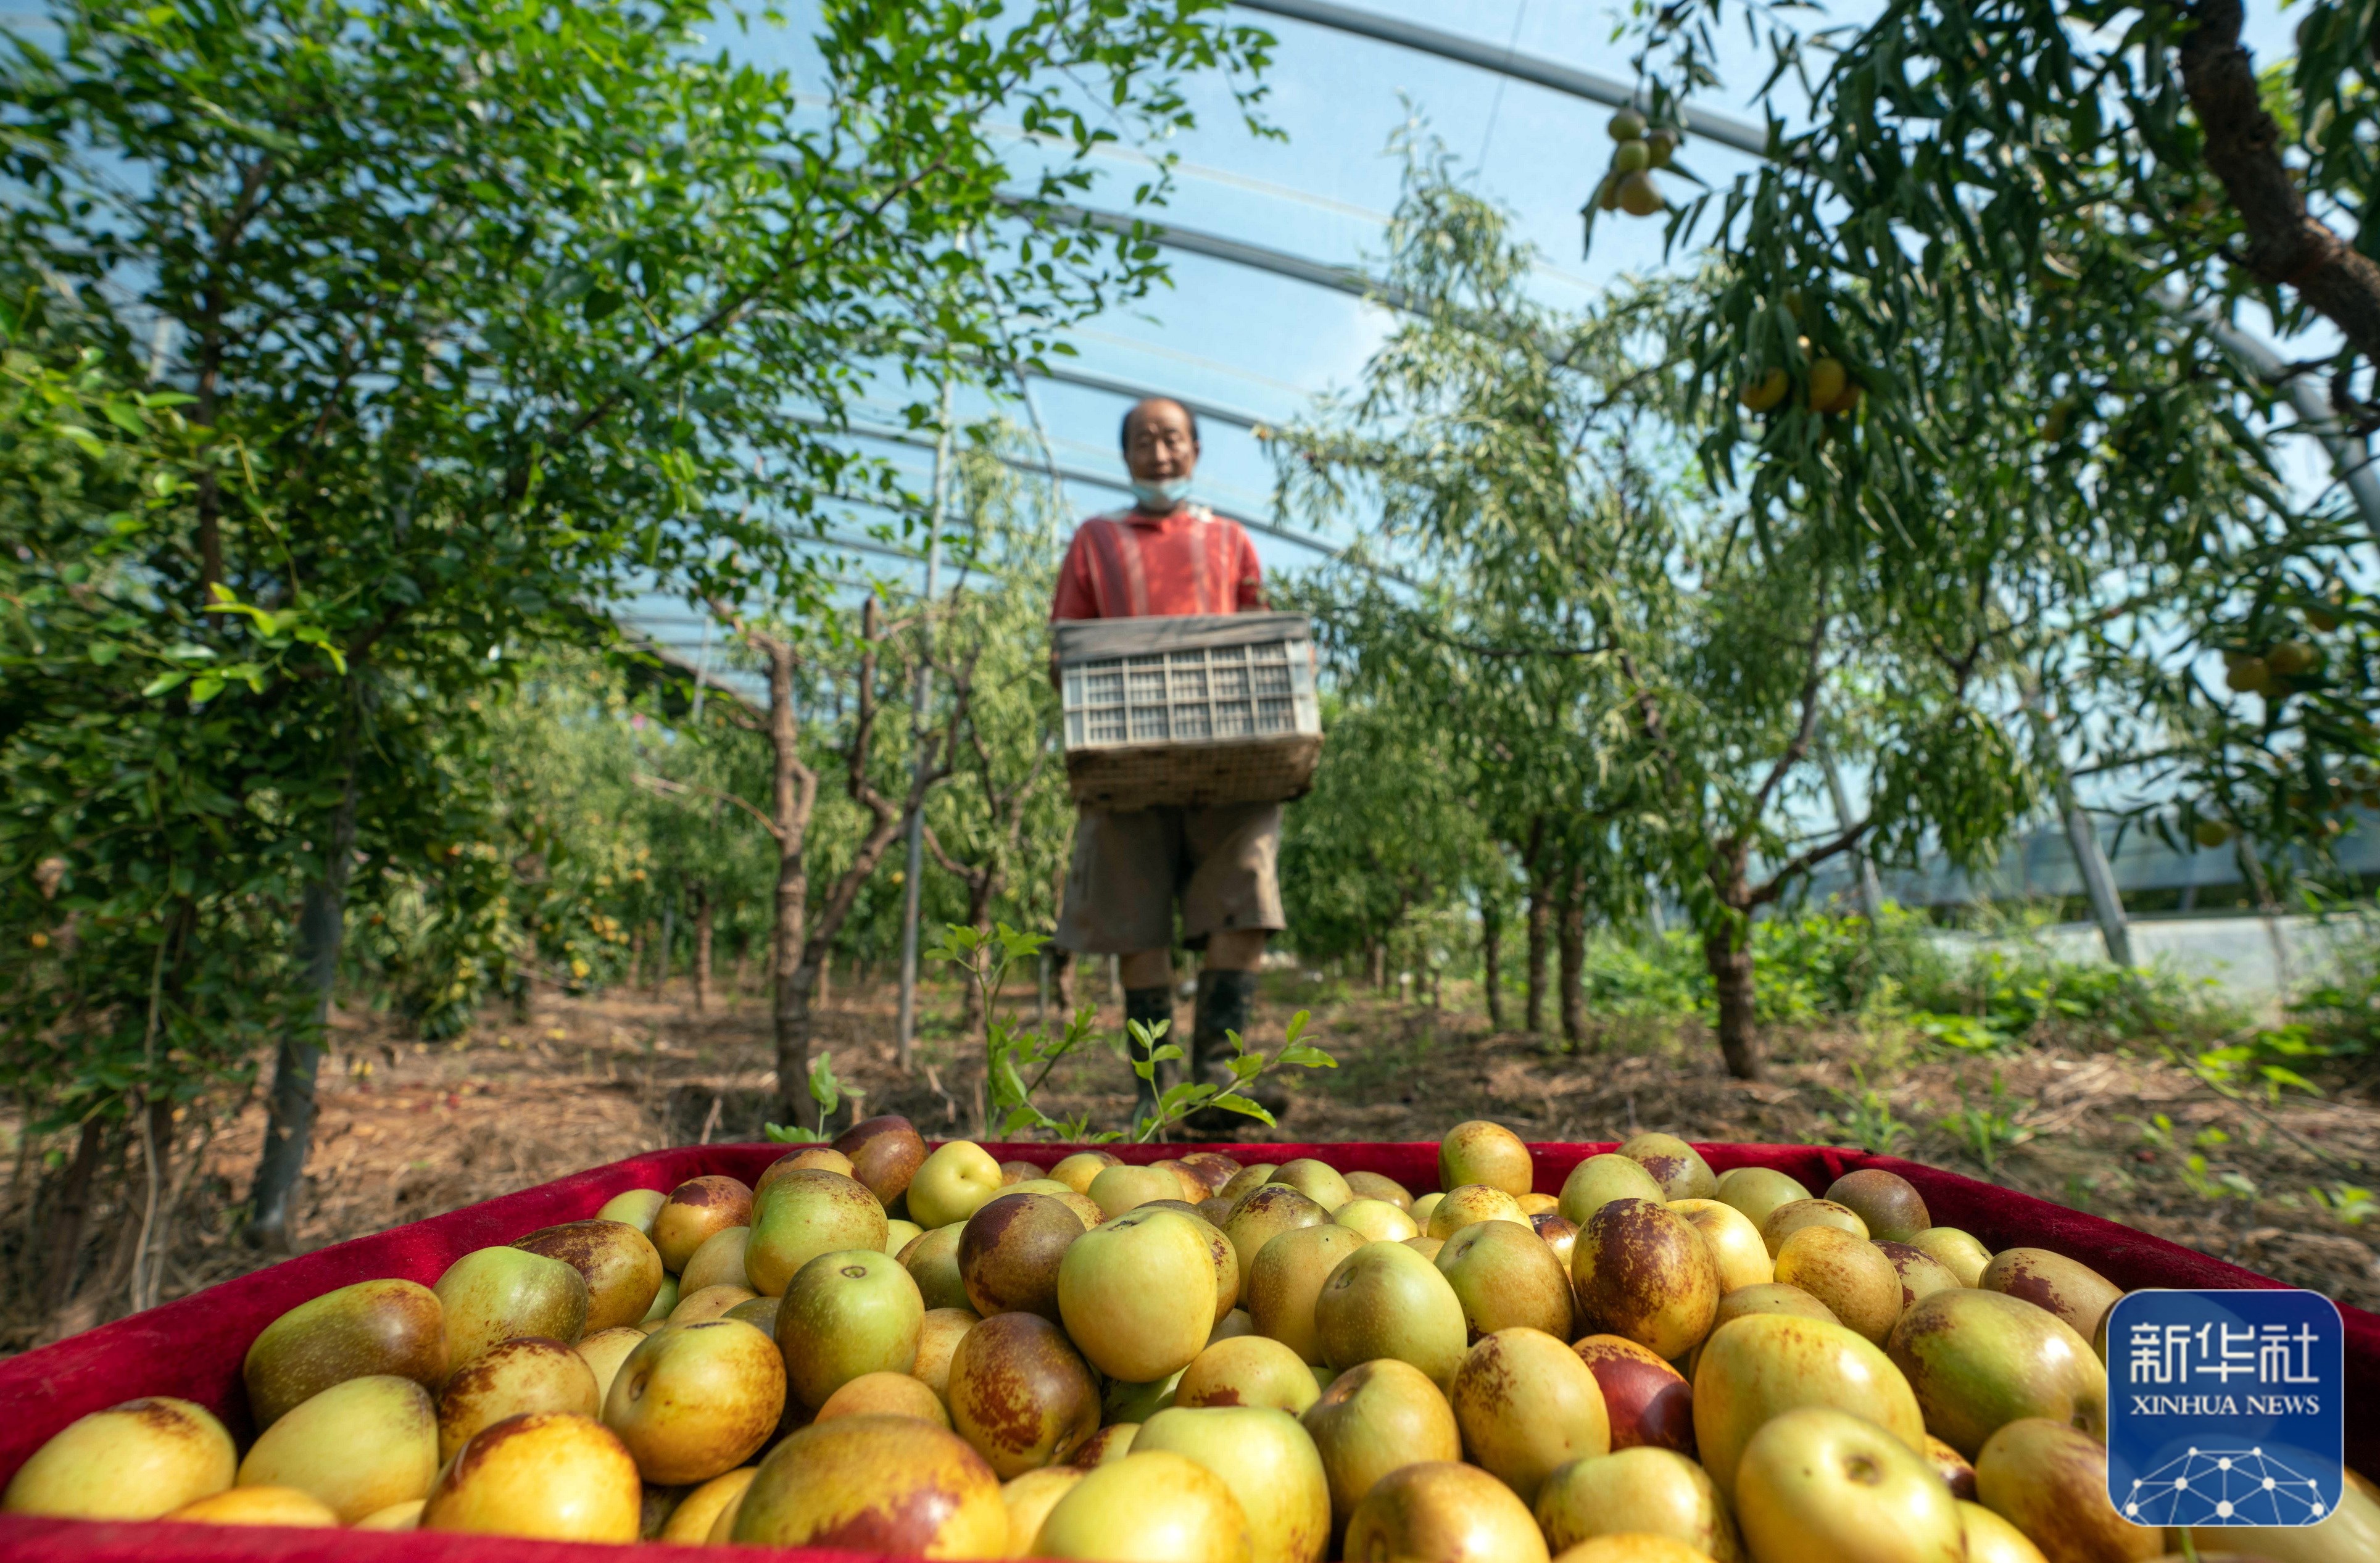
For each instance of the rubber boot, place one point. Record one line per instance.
(1150, 1007)
(1226, 1003)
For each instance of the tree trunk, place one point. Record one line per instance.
(1380, 959)
(70, 1222)
(1730, 972)
(1541, 923)
(289, 1128)
(701, 894)
(826, 981)
(636, 957)
(1062, 980)
(662, 950)
(524, 983)
(154, 1202)
(977, 1023)
(790, 979)
(1491, 960)
(1573, 960)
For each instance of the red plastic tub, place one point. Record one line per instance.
(193, 1348)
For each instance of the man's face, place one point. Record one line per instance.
(1161, 447)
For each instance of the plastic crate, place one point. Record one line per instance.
(193, 1348)
(1190, 709)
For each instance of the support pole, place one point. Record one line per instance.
(1871, 893)
(2082, 835)
(2098, 880)
(2268, 907)
(906, 1023)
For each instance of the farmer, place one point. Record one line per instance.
(1167, 555)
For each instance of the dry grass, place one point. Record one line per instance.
(410, 1128)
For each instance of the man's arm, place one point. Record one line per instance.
(1075, 597)
(1250, 596)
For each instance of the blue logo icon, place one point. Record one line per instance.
(2225, 1408)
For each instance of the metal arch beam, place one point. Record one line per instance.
(1263, 258)
(1214, 412)
(2350, 456)
(1532, 68)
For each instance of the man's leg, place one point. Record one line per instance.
(1232, 906)
(1120, 899)
(1149, 999)
(1149, 968)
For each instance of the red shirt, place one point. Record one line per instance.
(1131, 565)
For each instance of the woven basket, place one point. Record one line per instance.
(1190, 709)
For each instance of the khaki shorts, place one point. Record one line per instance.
(1129, 869)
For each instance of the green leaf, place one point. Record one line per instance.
(825, 1089)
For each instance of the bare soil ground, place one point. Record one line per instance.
(411, 1129)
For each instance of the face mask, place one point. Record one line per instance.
(1162, 495)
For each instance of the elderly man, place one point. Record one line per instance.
(1168, 555)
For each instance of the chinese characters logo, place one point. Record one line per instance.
(2225, 1408)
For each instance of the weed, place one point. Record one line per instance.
(2349, 1202)
(2197, 1174)
(2156, 1133)
(1964, 1034)
(2264, 1059)
(1988, 1130)
(1901, 971)
(1865, 1119)
(2199, 1178)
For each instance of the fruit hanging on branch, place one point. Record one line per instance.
(1843, 401)
(1761, 394)
(1639, 197)
(2323, 615)
(1829, 380)
(2291, 658)
(2244, 674)
(1628, 183)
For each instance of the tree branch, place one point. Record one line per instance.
(2287, 245)
(1814, 676)
(1804, 862)
(663, 786)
